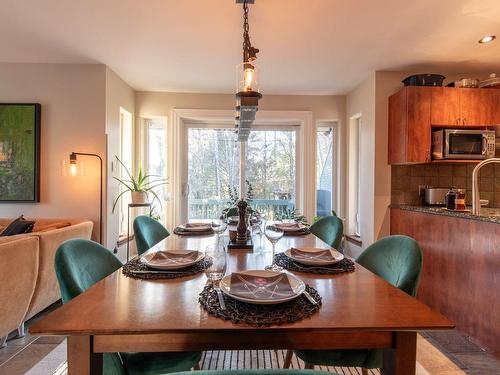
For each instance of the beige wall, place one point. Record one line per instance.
(118, 95)
(162, 103)
(322, 108)
(73, 119)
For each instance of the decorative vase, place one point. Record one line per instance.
(139, 197)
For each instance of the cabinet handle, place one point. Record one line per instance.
(463, 121)
(458, 121)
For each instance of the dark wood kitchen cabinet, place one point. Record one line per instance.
(445, 106)
(456, 107)
(415, 110)
(410, 126)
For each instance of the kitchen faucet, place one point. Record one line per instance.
(476, 204)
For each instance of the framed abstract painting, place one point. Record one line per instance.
(20, 152)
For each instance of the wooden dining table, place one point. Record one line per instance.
(123, 314)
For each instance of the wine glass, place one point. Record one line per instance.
(218, 257)
(273, 234)
(219, 226)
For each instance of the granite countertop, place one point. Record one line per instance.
(490, 215)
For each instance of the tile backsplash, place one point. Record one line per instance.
(405, 180)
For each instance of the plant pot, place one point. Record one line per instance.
(139, 197)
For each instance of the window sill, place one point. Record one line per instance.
(122, 240)
(356, 240)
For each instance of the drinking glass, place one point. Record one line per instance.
(273, 234)
(218, 257)
(219, 226)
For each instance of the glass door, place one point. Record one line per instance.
(271, 169)
(213, 170)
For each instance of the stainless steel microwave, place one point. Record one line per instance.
(463, 144)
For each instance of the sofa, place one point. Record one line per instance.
(27, 261)
(18, 273)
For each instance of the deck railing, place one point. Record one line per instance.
(211, 208)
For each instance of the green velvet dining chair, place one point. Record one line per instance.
(148, 232)
(396, 259)
(329, 229)
(79, 264)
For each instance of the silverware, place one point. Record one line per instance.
(221, 297)
(310, 298)
(140, 272)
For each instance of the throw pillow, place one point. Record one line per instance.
(18, 226)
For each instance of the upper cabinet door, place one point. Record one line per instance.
(477, 106)
(409, 126)
(418, 127)
(445, 106)
(494, 106)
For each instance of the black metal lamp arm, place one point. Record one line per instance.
(72, 156)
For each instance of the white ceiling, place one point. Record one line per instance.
(307, 46)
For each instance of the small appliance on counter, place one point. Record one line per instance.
(463, 144)
(435, 196)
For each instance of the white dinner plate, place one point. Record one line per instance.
(181, 264)
(337, 257)
(297, 285)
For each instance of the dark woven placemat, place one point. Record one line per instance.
(260, 315)
(345, 265)
(136, 265)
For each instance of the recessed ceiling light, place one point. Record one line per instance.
(487, 39)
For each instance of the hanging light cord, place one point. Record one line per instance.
(249, 52)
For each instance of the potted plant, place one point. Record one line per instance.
(140, 187)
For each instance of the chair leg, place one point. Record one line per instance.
(364, 371)
(309, 366)
(3, 342)
(20, 331)
(196, 367)
(288, 359)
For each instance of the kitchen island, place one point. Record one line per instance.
(461, 268)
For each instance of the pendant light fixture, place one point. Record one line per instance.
(248, 95)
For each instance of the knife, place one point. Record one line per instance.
(140, 272)
(221, 298)
(310, 298)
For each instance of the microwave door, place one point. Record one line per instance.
(464, 146)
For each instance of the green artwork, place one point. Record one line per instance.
(19, 152)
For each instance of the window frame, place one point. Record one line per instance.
(123, 204)
(223, 125)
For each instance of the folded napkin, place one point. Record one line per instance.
(261, 288)
(196, 227)
(170, 258)
(311, 253)
(291, 227)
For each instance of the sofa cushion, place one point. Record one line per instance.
(18, 226)
(41, 227)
